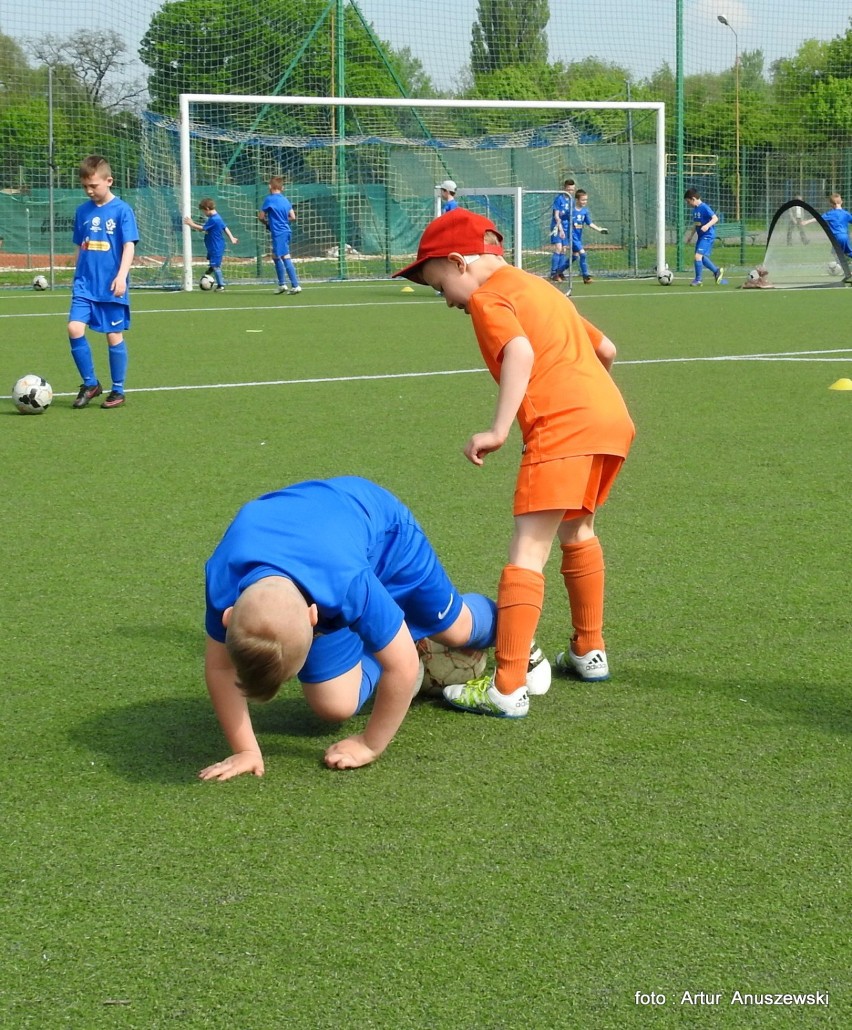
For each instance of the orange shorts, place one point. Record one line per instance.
(577, 486)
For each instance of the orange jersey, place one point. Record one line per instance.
(572, 405)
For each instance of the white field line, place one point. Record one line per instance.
(816, 355)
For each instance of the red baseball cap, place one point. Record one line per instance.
(456, 232)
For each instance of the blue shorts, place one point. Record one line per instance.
(556, 238)
(704, 245)
(100, 316)
(430, 605)
(281, 244)
(215, 259)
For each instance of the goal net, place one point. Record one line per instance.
(362, 173)
(801, 250)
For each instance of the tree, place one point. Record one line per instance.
(239, 46)
(509, 33)
(95, 61)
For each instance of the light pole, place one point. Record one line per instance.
(724, 21)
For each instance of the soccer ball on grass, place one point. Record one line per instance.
(834, 268)
(206, 282)
(444, 666)
(666, 277)
(32, 395)
(40, 283)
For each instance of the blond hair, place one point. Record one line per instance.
(268, 637)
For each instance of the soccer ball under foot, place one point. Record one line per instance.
(444, 666)
(32, 395)
(206, 282)
(666, 277)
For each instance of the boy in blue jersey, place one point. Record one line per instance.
(332, 581)
(704, 219)
(581, 218)
(215, 231)
(838, 219)
(105, 234)
(448, 196)
(276, 213)
(560, 229)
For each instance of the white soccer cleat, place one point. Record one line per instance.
(591, 667)
(538, 672)
(481, 697)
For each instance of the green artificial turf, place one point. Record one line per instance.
(682, 828)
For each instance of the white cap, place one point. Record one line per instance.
(447, 185)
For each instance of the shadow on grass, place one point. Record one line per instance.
(170, 739)
(822, 706)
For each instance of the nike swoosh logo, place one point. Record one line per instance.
(118, 322)
(442, 614)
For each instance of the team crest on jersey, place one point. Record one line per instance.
(96, 223)
(110, 225)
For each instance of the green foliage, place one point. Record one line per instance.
(267, 50)
(509, 33)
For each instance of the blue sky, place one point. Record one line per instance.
(637, 34)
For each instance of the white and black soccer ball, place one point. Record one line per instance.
(446, 666)
(40, 283)
(754, 274)
(666, 277)
(32, 395)
(834, 268)
(206, 282)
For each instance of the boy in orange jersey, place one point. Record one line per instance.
(552, 367)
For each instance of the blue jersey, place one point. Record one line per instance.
(563, 205)
(101, 233)
(450, 205)
(350, 546)
(579, 219)
(277, 208)
(214, 238)
(838, 219)
(701, 215)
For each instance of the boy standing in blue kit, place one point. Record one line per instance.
(276, 213)
(106, 236)
(704, 220)
(215, 231)
(581, 218)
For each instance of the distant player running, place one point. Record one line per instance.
(704, 220)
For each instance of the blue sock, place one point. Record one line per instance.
(81, 352)
(563, 263)
(370, 673)
(291, 272)
(279, 270)
(217, 275)
(698, 267)
(584, 266)
(118, 365)
(708, 264)
(483, 632)
(555, 261)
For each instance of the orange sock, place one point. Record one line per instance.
(520, 595)
(583, 574)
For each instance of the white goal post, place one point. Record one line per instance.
(186, 127)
